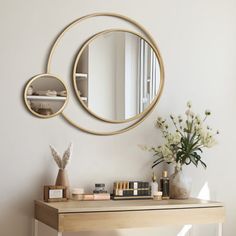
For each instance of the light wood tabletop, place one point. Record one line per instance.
(126, 205)
(74, 216)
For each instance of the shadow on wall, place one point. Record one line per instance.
(44, 230)
(162, 231)
(205, 194)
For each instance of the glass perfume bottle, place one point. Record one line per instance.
(165, 185)
(154, 185)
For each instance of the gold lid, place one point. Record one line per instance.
(154, 178)
(165, 174)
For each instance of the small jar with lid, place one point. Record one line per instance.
(158, 196)
(99, 188)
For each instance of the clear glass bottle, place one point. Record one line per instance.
(165, 185)
(154, 185)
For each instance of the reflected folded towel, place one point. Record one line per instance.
(50, 93)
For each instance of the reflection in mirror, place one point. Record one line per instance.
(117, 75)
(45, 95)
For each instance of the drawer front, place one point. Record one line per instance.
(94, 221)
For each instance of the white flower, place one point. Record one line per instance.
(198, 119)
(167, 153)
(207, 139)
(178, 166)
(180, 119)
(192, 114)
(188, 112)
(207, 112)
(160, 123)
(189, 104)
(173, 138)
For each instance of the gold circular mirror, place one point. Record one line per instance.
(59, 42)
(45, 95)
(117, 76)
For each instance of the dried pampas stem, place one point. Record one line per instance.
(66, 156)
(56, 156)
(61, 162)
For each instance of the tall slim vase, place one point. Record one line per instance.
(63, 180)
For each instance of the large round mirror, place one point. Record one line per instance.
(45, 95)
(116, 76)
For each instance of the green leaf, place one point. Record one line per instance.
(158, 159)
(193, 160)
(185, 161)
(157, 163)
(203, 164)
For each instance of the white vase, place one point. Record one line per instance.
(180, 185)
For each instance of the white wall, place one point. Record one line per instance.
(197, 41)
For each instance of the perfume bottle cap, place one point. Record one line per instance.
(154, 178)
(165, 174)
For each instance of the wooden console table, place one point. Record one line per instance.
(75, 216)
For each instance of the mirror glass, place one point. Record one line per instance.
(116, 75)
(45, 95)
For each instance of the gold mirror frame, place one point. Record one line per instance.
(149, 39)
(76, 87)
(26, 99)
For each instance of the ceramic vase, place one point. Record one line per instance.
(63, 180)
(180, 185)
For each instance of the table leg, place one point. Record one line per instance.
(35, 227)
(220, 229)
(59, 233)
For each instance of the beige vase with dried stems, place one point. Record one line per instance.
(63, 180)
(62, 176)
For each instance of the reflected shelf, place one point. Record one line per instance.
(84, 98)
(81, 76)
(55, 98)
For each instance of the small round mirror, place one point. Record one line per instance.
(117, 76)
(45, 95)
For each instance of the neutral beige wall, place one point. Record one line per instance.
(197, 41)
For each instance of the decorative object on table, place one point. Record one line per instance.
(101, 196)
(99, 188)
(100, 192)
(62, 177)
(77, 194)
(154, 184)
(96, 197)
(88, 197)
(54, 193)
(131, 190)
(165, 186)
(157, 196)
(183, 146)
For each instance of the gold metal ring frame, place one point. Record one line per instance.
(77, 90)
(26, 100)
(149, 39)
